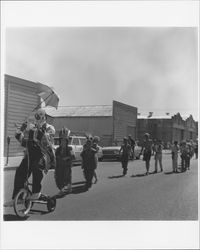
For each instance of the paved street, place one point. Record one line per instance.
(161, 196)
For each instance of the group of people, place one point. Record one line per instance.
(38, 140)
(187, 150)
(40, 155)
(127, 152)
(64, 157)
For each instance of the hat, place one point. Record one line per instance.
(147, 134)
(64, 133)
(96, 138)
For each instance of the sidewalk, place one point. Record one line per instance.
(13, 162)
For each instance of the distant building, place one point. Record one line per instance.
(167, 128)
(110, 122)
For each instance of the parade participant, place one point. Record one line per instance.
(184, 156)
(188, 155)
(147, 150)
(39, 155)
(124, 152)
(158, 147)
(96, 147)
(174, 152)
(196, 149)
(64, 156)
(88, 162)
(131, 142)
(154, 146)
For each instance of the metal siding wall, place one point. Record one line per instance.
(123, 116)
(20, 101)
(101, 126)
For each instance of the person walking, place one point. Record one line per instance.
(184, 153)
(88, 162)
(131, 142)
(147, 151)
(95, 142)
(124, 152)
(64, 155)
(174, 152)
(188, 155)
(196, 149)
(158, 147)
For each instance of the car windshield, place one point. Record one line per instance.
(83, 140)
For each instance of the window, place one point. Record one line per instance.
(75, 141)
(83, 140)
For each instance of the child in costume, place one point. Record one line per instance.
(125, 154)
(64, 156)
(96, 147)
(88, 162)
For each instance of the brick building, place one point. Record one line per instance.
(167, 128)
(110, 122)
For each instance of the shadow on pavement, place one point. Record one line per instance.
(77, 183)
(115, 176)
(171, 172)
(61, 195)
(79, 189)
(12, 217)
(36, 211)
(138, 175)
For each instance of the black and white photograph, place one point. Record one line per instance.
(99, 128)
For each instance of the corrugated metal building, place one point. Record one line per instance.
(110, 122)
(167, 128)
(20, 100)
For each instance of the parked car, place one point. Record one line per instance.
(100, 153)
(112, 152)
(77, 143)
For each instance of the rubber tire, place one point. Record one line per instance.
(51, 204)
(27, 203)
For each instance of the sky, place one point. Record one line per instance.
(152, 68)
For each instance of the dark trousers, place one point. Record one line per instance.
(88, 173)
(23, 173)
(63, 173)
(147, 165)
(68, 176)
(125, 166)
(187, 162)
(183, 163)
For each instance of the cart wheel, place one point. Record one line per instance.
(22, 204)
(51, 204)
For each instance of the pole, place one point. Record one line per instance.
(8, 145)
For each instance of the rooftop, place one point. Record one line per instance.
(92, 110)
(154, 117)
